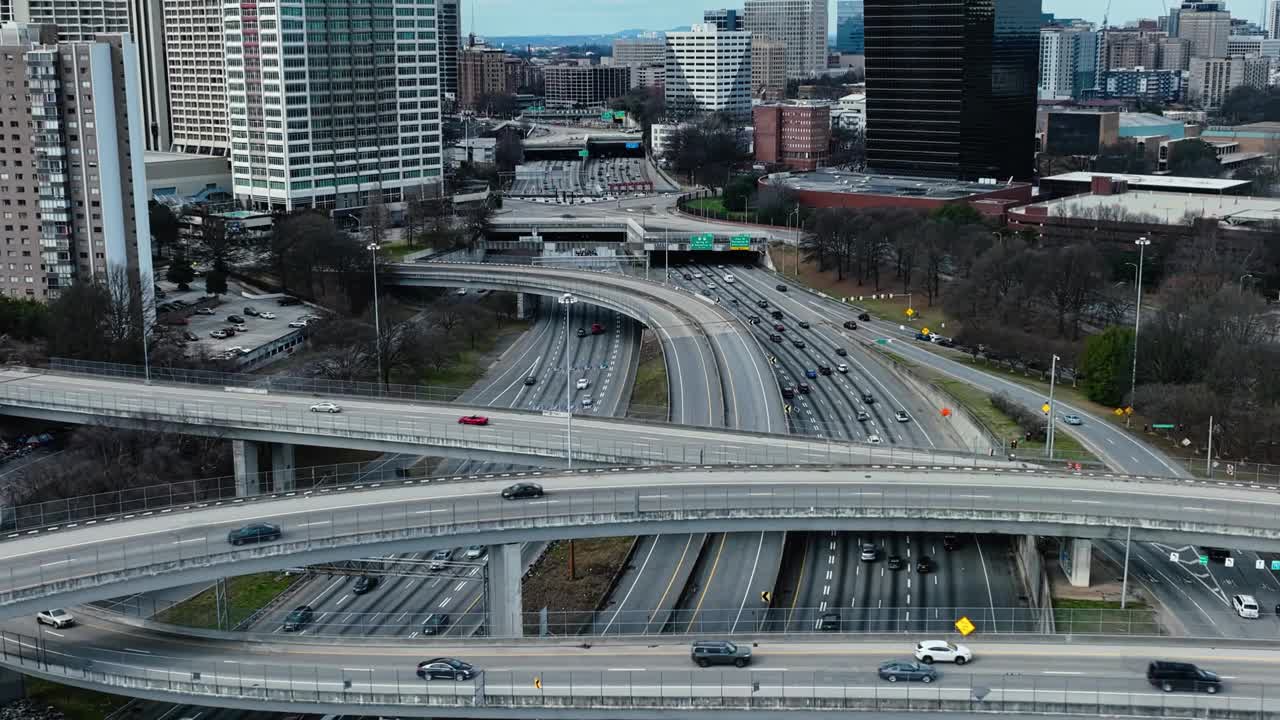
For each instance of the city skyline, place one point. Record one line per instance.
(497, 18)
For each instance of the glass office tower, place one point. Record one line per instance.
(951, 87)
(849, 26)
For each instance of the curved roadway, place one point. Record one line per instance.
(165, 548)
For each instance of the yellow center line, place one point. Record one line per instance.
(724, 537)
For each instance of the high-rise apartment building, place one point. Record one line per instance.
(1253, 45)
(639, 51)
(949, 83)
(482, 71)
(1207, 25)
(650, 76)
(449, 23)
(330, 101)
(1212, 78)
(583, 86)
(849, 27)
(143, 20)
(1272, 26)
(1129, 48)
(197, 75)
(1173, 54)
(768, 69)
(795, 135)
(708, 70)
(1068, 62)
(724, 18)
(801, 25)
(72, 178)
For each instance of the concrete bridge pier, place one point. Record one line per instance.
(245, 456)
(504, 598)
(525, 304)
(1076, 556)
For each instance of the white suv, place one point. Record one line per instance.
(1245, 605)
(931, 651)
(58, 618)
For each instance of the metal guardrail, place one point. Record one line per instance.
(548, 691)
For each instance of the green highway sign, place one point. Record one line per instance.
(1204, 559)
(606, 115)
(740, 242)
(701, 242)
(1163, 426)
(619, 114)
(584, 153)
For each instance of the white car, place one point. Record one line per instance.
(586, 401)
(711, 286)
(267, 315)
(728, 278)
(326, 407)
(241, 327)
(874, 439)
(298, 324)
(842, 368)
(58, 618)
(475, 552)
(1245, 605)
(902, 416)
(932, 651)
(460, 291)
(698, 275)
(583, 383)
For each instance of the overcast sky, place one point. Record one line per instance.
(581, 17)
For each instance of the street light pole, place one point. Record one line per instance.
(567, 300)
(1124, 584)
(796, 212)
(1242, 279)
(1053, 376)
(1142, 244)
(377, 322)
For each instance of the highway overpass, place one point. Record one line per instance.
(99, 558)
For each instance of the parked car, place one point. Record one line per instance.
(298, 618)
(435, 624)
(235, 319)
(204, 311)
(267, 315)
(190, 336)
(688, 276)
(298, 324)
(254, 533)
(473, 420)
(364, 584)
(57, 618)
(932, 651)
(326, 407)
(286, 301)
(218, 334)
(522, 490)
(445, 669)
(720, 652)
(1170, 676)
(241, 328)
(250, 311)
(895, 670)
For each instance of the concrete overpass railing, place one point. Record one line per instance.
(553, 693)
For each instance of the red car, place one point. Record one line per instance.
(596, 328)
(473, 420)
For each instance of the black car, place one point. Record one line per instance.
(522, 490)
(780, 287)
(435, 624)
(1217, 554)
(829, 622)
(824, 369)
(298, 618)
(922, 336)
(776, 314)
(720, 652)
(762, 304)
(803, 388)
(775, 337)
(190, 336)
(779, 327)
(850, 325)
(687, 276)
(895, 670)
(895, 562)
(798, 344)
(868, 398)
(530, 380)
(804, 324)
(788, 393)
(753, 319)
(235, 319)
(445, 669)
(1170, 676)
(864, 317)
(842, 352)
(582, 332)
(250, 311)
(364, 584)
(924, 565)
(287, 300)
(950, 542)
(255, 533)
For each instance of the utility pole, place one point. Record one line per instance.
(1208, 456)
(1053, 376)
(1124, 584)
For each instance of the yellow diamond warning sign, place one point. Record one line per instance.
(965, 626)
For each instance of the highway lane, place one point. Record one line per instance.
(1112, 445)
(318, 527)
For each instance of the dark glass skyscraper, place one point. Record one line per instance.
(951, 87)
(849, 26)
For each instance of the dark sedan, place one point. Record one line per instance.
(895, 670)
(255, 533)
(298, 618)
(364, 584)
(445, 669)
(522, 490)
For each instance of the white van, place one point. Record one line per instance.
(728, 277)
(1245, 605)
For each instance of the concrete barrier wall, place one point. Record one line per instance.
(1035, 579)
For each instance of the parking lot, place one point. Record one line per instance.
(258, 330)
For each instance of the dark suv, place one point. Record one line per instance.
(1170, 676)
(720, 652)
(298, 618)
(255, 533)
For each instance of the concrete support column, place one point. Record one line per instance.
(11, 686)
(505, 600)
(282, 467)
(1076, 557)
(244, 454)
(524, 303)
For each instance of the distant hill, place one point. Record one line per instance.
(561, 40)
